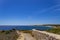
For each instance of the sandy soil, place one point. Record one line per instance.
(25, 36)
(21, 36)
(28, 37)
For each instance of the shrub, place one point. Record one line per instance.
(10, 30)
(13, 29)
(2, 31)
(7, 32)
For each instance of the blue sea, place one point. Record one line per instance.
(24, 27)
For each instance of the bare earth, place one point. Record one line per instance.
(25, 36)
(21, 36)
(28, 37)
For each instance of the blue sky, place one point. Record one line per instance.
(27, 12)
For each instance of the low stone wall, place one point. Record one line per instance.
(43, 35)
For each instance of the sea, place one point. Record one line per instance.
(24, 27)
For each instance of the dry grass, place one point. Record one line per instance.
(26, 31)
(8, 35)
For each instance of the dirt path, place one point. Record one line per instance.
(27, 36)
(21, 36)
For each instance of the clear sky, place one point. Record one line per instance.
(24, 12)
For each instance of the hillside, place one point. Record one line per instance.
(8, 35)
(54, 30)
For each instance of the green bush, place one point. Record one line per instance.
(7, 32)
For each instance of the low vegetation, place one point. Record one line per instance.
(8, 35)
(26, 31)
(54, 30)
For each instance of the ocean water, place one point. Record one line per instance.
(24, 27)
